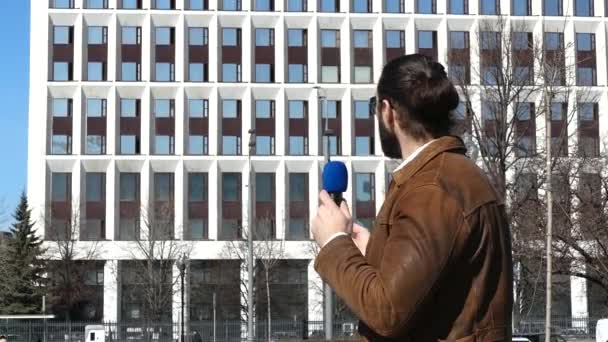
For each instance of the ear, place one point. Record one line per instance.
(388, 115)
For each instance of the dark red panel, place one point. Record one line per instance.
(264, 127)
(365, 209)
(96, 210)
(298, 127)
(231, 210)
(165, 53)
(198, 54)
(96, 126)
(297, 55)
(198, 210)
(392, 53)
(231, 126)
(131, 53)
(264, 54)
(97, 53)
(364, 56)
(61, 210)
(298, 209)
(63, 53)
(129, 209)
(364, 127)
(165, 126)
(431, 53)
(330, 56)
(265, 210)
(130, 126)
(199, 126)
(62, 126)
(231, 54)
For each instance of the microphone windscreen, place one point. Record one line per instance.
(335, 177)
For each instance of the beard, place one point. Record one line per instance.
(389, 142)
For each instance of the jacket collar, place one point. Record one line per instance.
(440, 145)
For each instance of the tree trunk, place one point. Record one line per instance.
(268, 305)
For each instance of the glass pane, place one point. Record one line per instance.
(296, 145)
(522, 75)
(128, 186)
(333, 145)
(297, 229)
(230, 5)
(329, 38)
(296, 73)
(60, 144)
(129, 4)
(361, 39)
(523, 111)
(488, 7)
(329, 74)
(264, 183)
(196, 5)
(197, 185)
(425, 6)
(583, 8)
(425, 40)
(520, 7)
(331, 109)
(61, 4)
(263, 109)
(128, 108)
(263, 37)
(230, 145)
(61, 71)
(163, 4)
(520, 40)
(262, 73)
(552, 7)
(94, 187)
(196, 36)
(162, 144)
(94, 144)
(584, 76)
(61, 35)
(229, 37)
(393, 39)
(95, 35)
(129, 71)
(584, 41)
(363, 74)
(229, 108)
(129, 35)
(295, 5)
(60, 107)
(163, 72)
(231, 187)
(360, 6)
(163, 186)
(362, 146)
(162, 108)
(328, 5)
(196, 108)
(457, 7)
(262, 5)
(557, 111)
(296, 109)
(197, 144)
(585, 111)
(198, 229)
(361, 109)
(263, 145)
(163, 36)
(95, 71)
(295, 37)
(393, 6)
(196, 72)
(488, 111)
(363, 187)
(298, 187)
(230, 72)
(59, 184)
(458, 40)
(128, 144)
(552, 41)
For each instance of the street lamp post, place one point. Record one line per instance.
(182, 274)
(250, 239)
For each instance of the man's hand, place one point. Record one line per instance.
(360, 237)
(330, 219)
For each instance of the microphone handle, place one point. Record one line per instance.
(337, 197)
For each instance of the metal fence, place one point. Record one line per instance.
(236, 331)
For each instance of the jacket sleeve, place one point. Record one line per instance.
(419, 244)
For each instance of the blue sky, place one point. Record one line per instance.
(14, 80)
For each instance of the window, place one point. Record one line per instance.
(330, 38)
(197, 5)
(329, 6)
(60, 187)
(97, 35)
(63, 4)
(586, 111)
(361, 109)
(459, 40)
(333, 145)
(489, 7)
(521, 7)
(361, 39)
(489, 111)
(198, 145)
(263, 5)
(231, 145)
(523, 111)
(163, 4)
(490, 40)
(331, 109)
(264, 185)
(128, 108)
(129, 187)
(363, 146)
(163, 36)
(521, 74)
(95, 107)
(264, 145)
(130, 35)
(362, 74)
(297, 145)
(263, 73)
(197, 187)
(553, 41)
(521, 40)
(393, 6)
(230, 109)
(585, 76)
(129, 71)
(583, 8)
(298, 187)
(198, 36)
(60, 107)
(61, 144)
(425, 40)
(129, 4)
(364, 187)
(231, 187)
(296, 5)
(61, 71)
(129, 144)
(231, 72)
(330, 74)
(552, 7)
(198, 229)
(231, 5)
(95, 144)
(264, 37)
(296, 73)
(585, 42)
(95, 187)
(164, 72)
(394, 39)
(426, 6)
(95, 71)
(198, 108)
(96, 4)
(264, 109)
(458, 7)
(196, 72)
(361, 6)
(296, 109)
(296, 37)
(557, 111)
(62, 35)
(230, 37)
(163, 108)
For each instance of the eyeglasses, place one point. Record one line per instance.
(373, 102)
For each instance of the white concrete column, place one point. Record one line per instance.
(345, 51)
(378, 48)
(111, 200)
(180, 200)
(314, 180)
(145, 181)
(603, 124)
(78, 213)
(214, 51)
(578, 296)
(568, 10)
(78, 47)
(442, 42)
(214, 177)
(280, 43)
(146, 118)
(247, 112)
(314, 46)
(110, 291)
(474, 49)
(146, 47)
(180, 119)
(180, 49)
(410, 31)
(111, 122)
(380, 188)
(78, 102)
(600, 53)
(315, 294)
(347, 124)
(537, 8)
(112, 45)
(214, 117)
(248, 43)
(280, 124)
(281, 200)
(314, 118)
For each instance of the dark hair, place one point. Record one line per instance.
(420, 91)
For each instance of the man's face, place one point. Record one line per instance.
(388, 140)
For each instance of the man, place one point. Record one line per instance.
(437, 266)
(3, 338)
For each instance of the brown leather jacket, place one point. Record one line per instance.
(438, 264)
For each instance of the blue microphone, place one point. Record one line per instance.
(335, 180)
